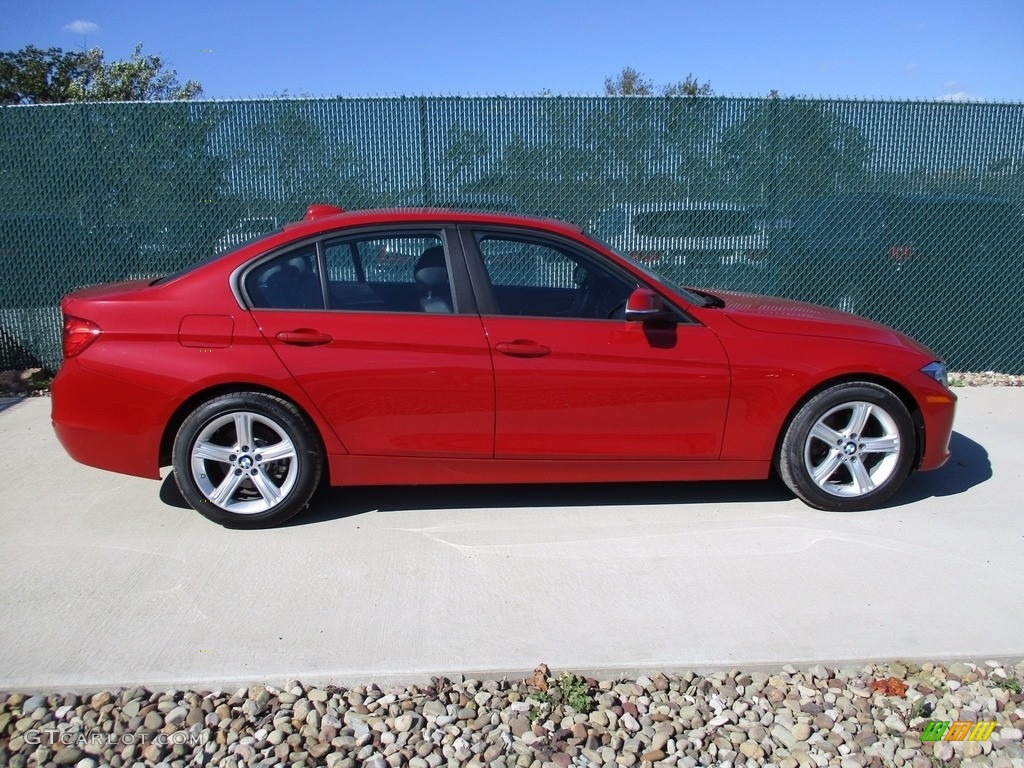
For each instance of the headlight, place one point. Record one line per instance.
(937, 371)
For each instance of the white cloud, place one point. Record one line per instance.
(911, 69)
(80, 27)
(955, 92)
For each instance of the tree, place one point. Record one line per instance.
(630, 82)
(788, 149)
(35, 76)
(688, 87)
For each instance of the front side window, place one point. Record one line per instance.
(543, 279)
(400, 272)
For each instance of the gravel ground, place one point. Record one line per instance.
(873, 716)
(985, 379)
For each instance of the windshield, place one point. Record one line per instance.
(687, 295)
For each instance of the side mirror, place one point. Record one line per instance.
(644, 305)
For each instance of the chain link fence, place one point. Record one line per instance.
(910, 213)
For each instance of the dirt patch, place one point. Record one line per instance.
(26, 382)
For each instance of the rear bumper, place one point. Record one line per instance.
(107, 423)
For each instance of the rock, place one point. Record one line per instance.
(599, 718)
(751, 750)
(823, 722)
(653, 755)
(895, 724)
(529, 738)
(972, 748)
(434, 708)
(783, 736)
(154, 721)
(33, 703)
(629, 723)
(661, 737)
(943, 750)
(68, 756)
(176, 716)
(801, 731)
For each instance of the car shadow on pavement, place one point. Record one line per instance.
(9, 402)
(335, 503)
(967, 467)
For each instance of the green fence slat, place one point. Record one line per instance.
(908, 212)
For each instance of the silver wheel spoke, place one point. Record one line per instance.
(223, 493)
(211, 452)
(859, 416)
(861, 478)
(270, 492)
(827, 468)
(888, 444)
(826, 434)
(282, 450)
(243, 429)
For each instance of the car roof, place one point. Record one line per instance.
(321, 220)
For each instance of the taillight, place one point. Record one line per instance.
(79, 333)
(901, 253)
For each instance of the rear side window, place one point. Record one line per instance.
(289, 281)
(400, 272)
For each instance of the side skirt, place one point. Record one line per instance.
(348, 470)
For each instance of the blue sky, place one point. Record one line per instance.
(895, 49)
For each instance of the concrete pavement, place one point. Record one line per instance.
(109, 581)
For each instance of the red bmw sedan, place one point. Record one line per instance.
(432, 347)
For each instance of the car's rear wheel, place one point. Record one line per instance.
(247, 460)
(848, 448)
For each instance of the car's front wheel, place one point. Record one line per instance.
(848, 448)
(247, 460)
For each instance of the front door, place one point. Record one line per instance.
(575, 380)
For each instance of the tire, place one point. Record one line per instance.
(848, 448)
(222, 466)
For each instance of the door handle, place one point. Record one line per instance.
(304, 337)
(522, 348)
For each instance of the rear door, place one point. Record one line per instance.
(395, 361)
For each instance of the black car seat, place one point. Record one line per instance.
(431, 273)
